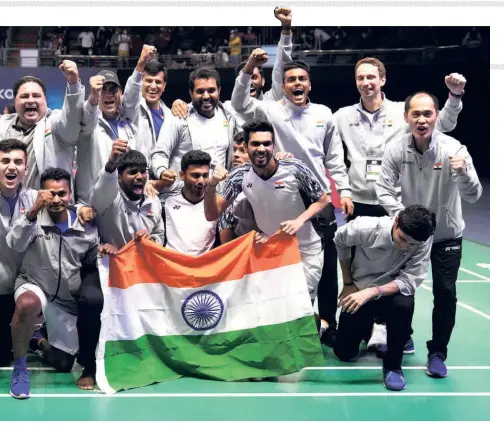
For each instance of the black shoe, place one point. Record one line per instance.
(329, 336)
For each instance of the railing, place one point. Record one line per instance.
(10, 57)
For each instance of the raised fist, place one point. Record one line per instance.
(147, 54)
(96, 84)
(455, 83)
(258, 57)
(284, 15)
(219, 175)
(119, 149)
(70, 70)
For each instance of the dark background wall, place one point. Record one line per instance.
(335, 87)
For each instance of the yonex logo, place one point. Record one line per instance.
(408, 162)
(176, 207)
(249, 185)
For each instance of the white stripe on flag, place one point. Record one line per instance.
(259, 299)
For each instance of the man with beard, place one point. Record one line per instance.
(49, 135)
(187, 230)
(366, 128)
(123, 210)
(55, 246)
(284, 194)
(209, 127)
(108, 116)
(305, 130)
(257, 81)
(436, 171)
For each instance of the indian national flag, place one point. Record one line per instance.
(239, 311)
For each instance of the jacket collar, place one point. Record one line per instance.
(46, 221)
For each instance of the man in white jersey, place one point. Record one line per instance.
(366, 128)
(209, 127)
(284, 194)
(187, 229)
(436, 171)
(305, 130)
(257, 81)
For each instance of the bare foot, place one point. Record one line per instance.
(85, 383)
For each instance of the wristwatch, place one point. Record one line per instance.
(457, 96)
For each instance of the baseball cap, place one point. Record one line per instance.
(110, 77)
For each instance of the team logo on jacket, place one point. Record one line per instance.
(47, 132)
(22, 211)
(389, 123)
(225, 123)
(279, 185)
(438, 166)
(176, 207)
(319, 124)
(150, 214)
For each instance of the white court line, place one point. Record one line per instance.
(463, 305)
(403, 367)
(324, 368)
(30, 368)
(464, 281)
(217, 395)
(475, 274)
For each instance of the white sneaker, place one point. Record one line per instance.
(324, 325)
(378, 336)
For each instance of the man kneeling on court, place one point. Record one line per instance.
(391, 260)
(56, 245)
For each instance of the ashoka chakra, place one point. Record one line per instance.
(202, 310)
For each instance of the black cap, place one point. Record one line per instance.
(110, 77)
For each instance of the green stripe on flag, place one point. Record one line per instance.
(266, 351)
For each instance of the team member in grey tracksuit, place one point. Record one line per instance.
(304, 129)
(436, 171)
(15, 200)
(367, 127)
(257, 81)
(209, 127)
(123, 211)
(391, 260)
(55, 246)
(108, 116)
(49, 135)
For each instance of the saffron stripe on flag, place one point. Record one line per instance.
(154, 264)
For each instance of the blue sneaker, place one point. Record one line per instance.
(409, 348)
(20, 385)
(394, 380)
(436, 367)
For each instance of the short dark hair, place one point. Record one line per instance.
(55, 174)
(407, 103)
(153, 67)
(296, 64)
(10, 108)
(255, 125)
(26, 79)
(195, 157)
(204, 72)
(239, 137)
(132, 158)
(8, 145)
(417, 222)
(374, 62)
(242, 65)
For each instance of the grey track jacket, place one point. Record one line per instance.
(53, 260)
(10, 261)
(364, 140)
(56, 133)
(377, 260)
(96, 138)
(118, 218)
(308, 133)
(426, 179)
